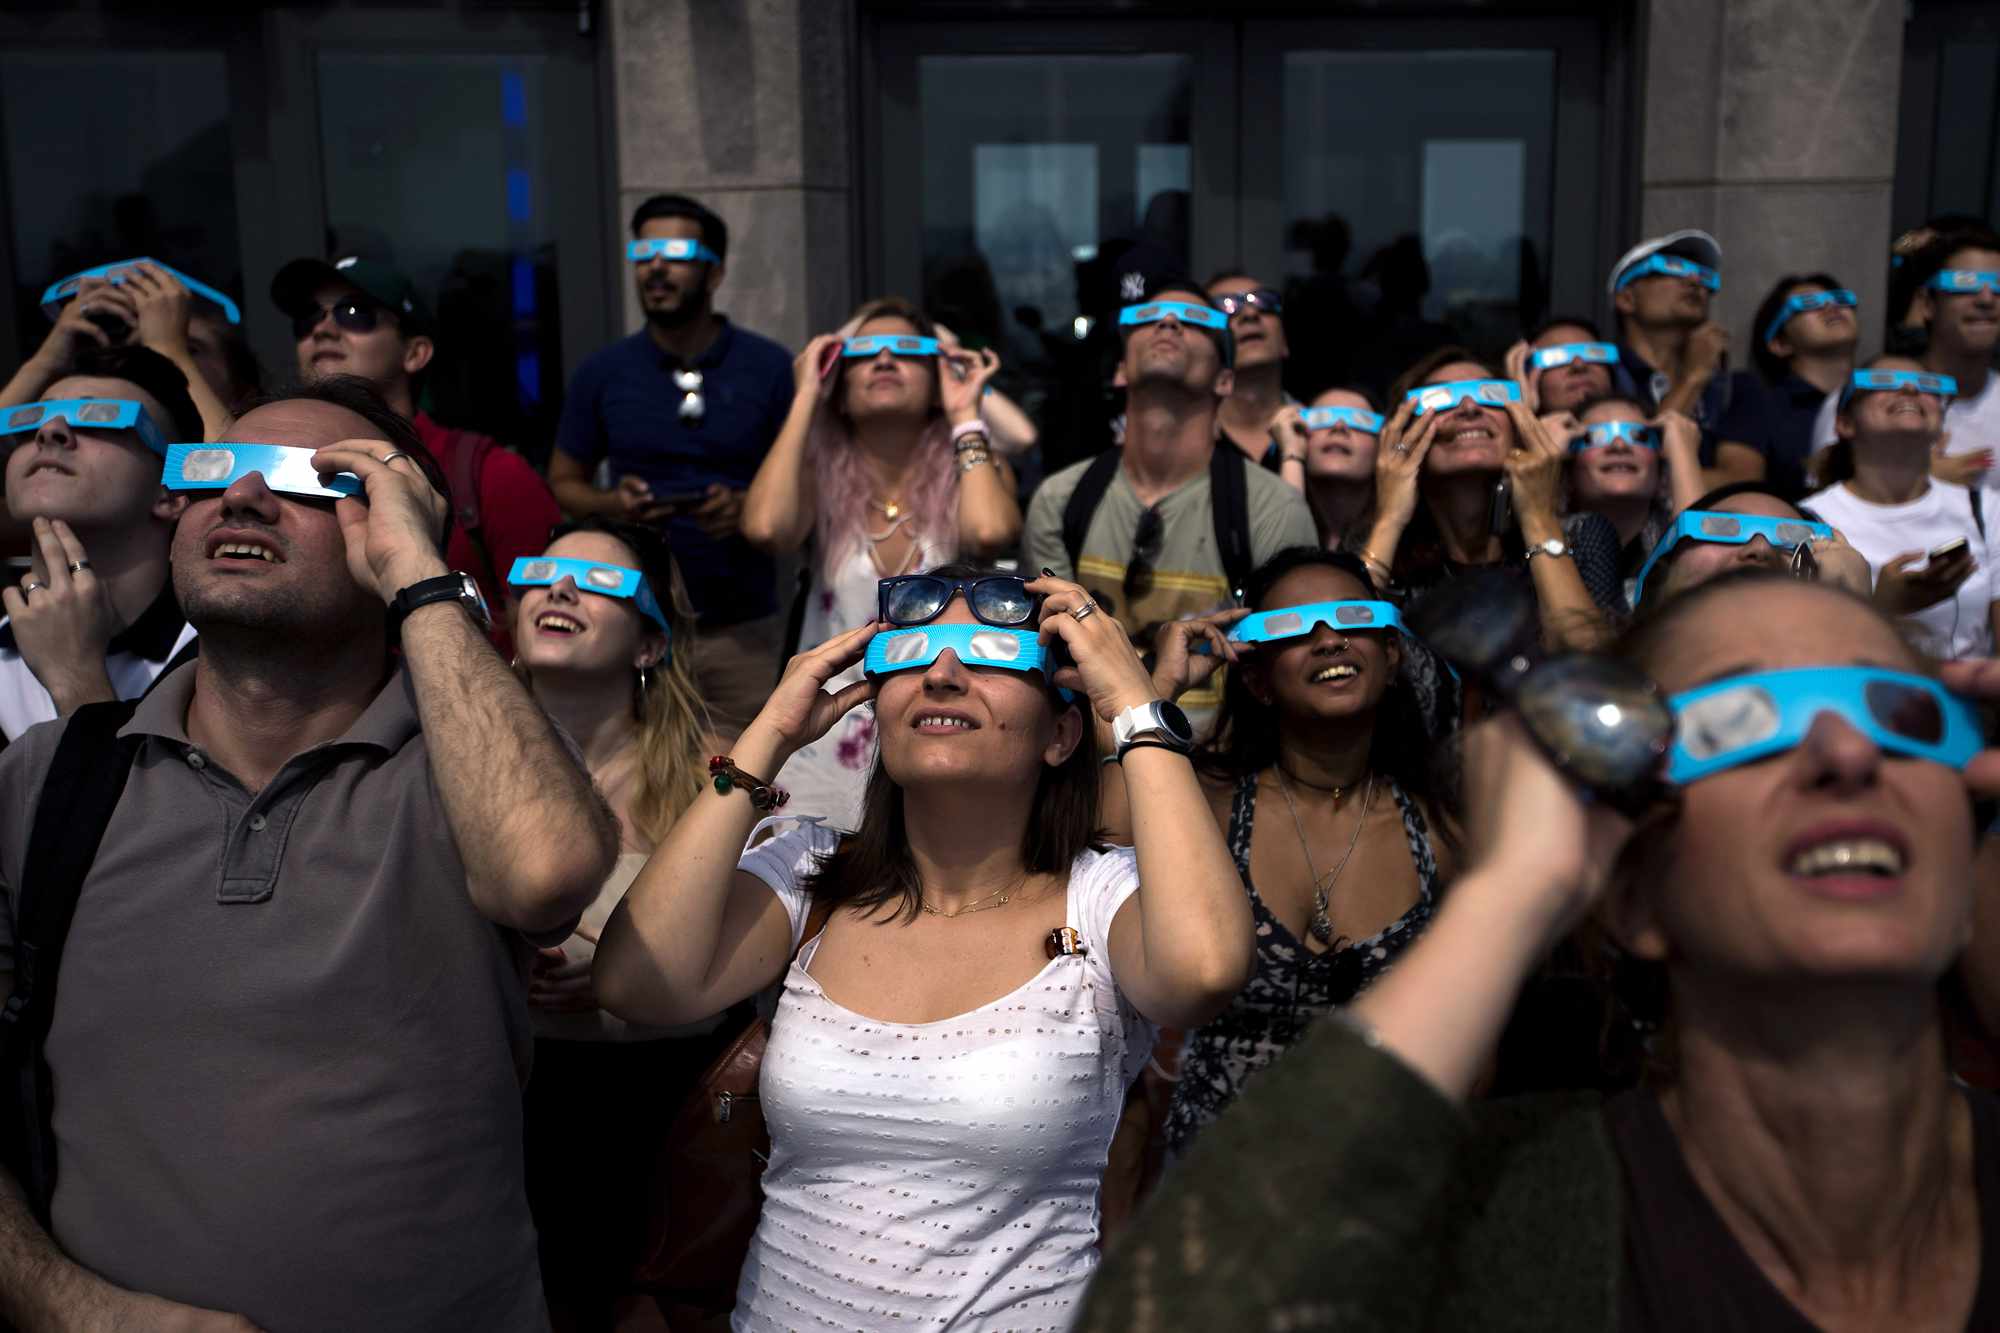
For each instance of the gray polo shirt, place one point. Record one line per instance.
(288, 1051)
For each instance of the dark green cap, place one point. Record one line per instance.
(382, 283)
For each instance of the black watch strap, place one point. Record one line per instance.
(452, 587)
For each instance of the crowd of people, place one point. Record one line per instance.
(1497, 855)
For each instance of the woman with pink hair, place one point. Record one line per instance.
(885, 467)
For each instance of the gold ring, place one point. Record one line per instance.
(31, 587)
(78, 566)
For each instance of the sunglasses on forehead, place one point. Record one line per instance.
(353, 315)
(1563, 354)
(1803, 301)
(287, 470)
(1258, 298)
(918, 599)
(65, 288)
(86, 414)
(1749, 717)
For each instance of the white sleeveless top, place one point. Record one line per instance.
(940, 1175)
(827, 778)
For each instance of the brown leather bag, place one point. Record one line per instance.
(708, 1178)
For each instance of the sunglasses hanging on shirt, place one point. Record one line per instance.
(693, 406)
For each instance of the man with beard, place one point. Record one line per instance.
(288, 1043)
(682, 412)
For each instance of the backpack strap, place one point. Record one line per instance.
(1083, 502)
(85, 780)
(1229, 505)
(1978, 511)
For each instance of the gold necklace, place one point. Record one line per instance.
(1320, 926)
(985, 904)
(890, 508)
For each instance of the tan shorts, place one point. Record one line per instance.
(735, 668)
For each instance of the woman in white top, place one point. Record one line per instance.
(1926, 539)
(884, 465)
(952, 1051)
(603, 645)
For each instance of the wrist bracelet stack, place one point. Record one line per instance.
(763, 796)
(971, 445)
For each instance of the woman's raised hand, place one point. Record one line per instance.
(1105, 666)
(1399, 461)
(810, 366)
(966, 375)
(801, 709)
(1188, 652)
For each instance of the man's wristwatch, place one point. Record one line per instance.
(1155, 721)
(453, 587)
(1555, 548)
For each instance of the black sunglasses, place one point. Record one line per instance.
(1145, 550)
(918, 599)
(1258, 298)
(1600, 721)
(354, 316)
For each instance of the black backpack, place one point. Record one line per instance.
(1229, 504)
(85, 780)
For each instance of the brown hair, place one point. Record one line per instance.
(873, 867)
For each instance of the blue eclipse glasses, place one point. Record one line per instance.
(218, 466)
(1800, 302)
(63, 290)
(1745, 718)
(630, 585)
(1714, 527)
(1291, 622)
(1598, 435)
(88, 414)
(1355, 418)
(1444, 397)
(896, 344)
(1672, 266)
(1187, 312)
(1964, 281)
(1882, 381)
(671, 247)
(893, 650)
(1562, 354)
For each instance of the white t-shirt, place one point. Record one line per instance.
(23, 701)
(1973, 423)
(1961, 625)
(940, 1175)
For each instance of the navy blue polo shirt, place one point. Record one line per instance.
(1638, 380)
(624, 405)
(1778, 423)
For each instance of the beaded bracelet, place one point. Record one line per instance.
(763, 796)
(965, 428)
(969, 459)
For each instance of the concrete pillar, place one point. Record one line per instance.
(1772, 125)
(745, 104)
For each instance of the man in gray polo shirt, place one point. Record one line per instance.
(290, 1033)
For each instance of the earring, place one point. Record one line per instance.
(645, 679)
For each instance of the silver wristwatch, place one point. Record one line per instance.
(1555, 548)
(1156, 721)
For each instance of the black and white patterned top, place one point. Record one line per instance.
(1292, 984)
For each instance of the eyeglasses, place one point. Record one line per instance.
(918, 599)
(218, 466)
(1324, 418)
(1602, 433)
(1880, 381)
(1713, 526)
(65, 288)
(1548, 358)
(88, 413)
(678, 248)
(896, 344)
(352, 315)
(896, 650)
(1800, 302)
(1746, 718)
(693, 406)
(1292, 622)
(1963, 281)
(1443, 397)
(1187, 312)
(1672, 266)
(1599, 720)
(1258, 298)
(592, 576)
(1146, 539)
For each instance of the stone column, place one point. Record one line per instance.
(1772, 126)
(745, 105)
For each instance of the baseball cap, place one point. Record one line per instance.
(382, 283)
(1691, 243)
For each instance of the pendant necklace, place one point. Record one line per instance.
(1321, 925)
